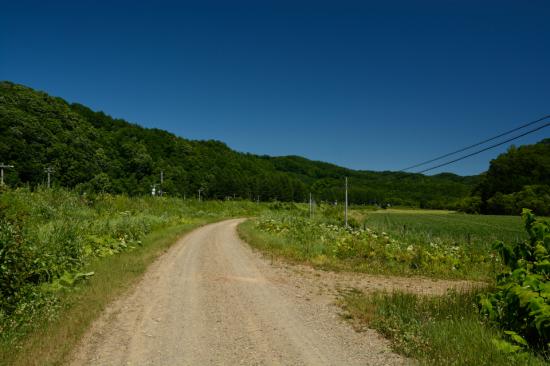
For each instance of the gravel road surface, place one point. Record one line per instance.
(211, 300)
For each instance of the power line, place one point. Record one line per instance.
(485, 149)
(477, 144)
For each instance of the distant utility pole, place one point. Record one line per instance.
(200, 190)
(346, 205)
(49, 170)
(161, 181)
(2, 166)
(310, 206)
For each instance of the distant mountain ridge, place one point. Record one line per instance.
(92, 151)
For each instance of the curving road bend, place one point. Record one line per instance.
(210, 300)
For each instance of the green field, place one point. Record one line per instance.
(422, 226)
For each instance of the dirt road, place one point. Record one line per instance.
(211, 301)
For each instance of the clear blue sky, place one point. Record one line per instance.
(367, 85)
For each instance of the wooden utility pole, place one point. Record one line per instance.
(49, 170)
(2, 167)
(346, 205)
(161, 190)
(310, 206)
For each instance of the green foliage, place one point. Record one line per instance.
(521, 304)
(48, 236)
(437, 330)
(517, 179)
(536, 197)
(441, 245)
(97, 153)
(471, 205)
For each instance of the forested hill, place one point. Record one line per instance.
(516, 179)
(92, 151)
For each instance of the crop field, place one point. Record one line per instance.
(472, 230)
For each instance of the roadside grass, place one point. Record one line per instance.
(272, 246)
(298, 252)
(434, 330)
(430, 247)
(50, 342)
(63, 256)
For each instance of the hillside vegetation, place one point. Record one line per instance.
(517, 179)
(95, 152)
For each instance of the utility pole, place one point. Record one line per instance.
(49, 170)
(346, 205)
(200, 190)
(161, 181)
(310, 206)
(2, 166)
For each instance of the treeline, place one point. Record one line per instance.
(93, 152)
(517, 179)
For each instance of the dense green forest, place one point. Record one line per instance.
(516, 179)
(94, 152)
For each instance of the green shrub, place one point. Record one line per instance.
(521, 304)
(15, 265)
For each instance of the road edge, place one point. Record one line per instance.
(52, 342)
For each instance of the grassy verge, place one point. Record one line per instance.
(270, 245)
(442, 330)
(331, 247)
(50, 342)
